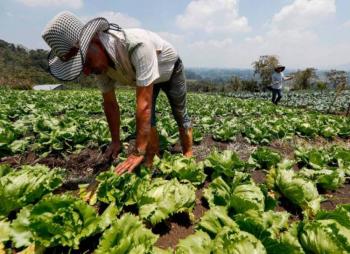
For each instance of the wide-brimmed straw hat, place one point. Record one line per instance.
(69, 39)
(280, 67)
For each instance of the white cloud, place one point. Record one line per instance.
(121, 19)
(212, 44)
(254, 40)
(174, 39)
(213, 16)
(75, 4)
(217, 53)
(346, 24)
(291, 34)
(303, 13)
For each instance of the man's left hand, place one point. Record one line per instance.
(130, 164)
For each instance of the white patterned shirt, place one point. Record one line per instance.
(152, 58)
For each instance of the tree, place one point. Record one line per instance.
(336, 78)
(235, 84)
(264, 67)
(303, 79)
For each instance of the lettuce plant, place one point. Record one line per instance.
(181, 167)
(199, 242)
(298, 190)
(127, 235)
(27, 185)
(224, 163)
(264, 158)
(164, 198)
(59, 220)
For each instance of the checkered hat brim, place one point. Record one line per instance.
(65, 32)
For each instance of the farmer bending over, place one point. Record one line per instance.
(278, 79)
(126, 57)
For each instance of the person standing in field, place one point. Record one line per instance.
(276, 86)
(133, 57)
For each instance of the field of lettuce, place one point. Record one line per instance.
(317, 100)
(263, 179)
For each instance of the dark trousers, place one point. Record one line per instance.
(176, 90)
(276, 95)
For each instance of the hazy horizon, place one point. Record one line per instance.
(208, 33)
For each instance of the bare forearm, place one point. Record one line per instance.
(111, 109)
(143, 116)
(143, 127)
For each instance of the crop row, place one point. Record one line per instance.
(241, 214)
(71, 120)
(322, 101)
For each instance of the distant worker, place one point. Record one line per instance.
(276, 86)
(119, 56)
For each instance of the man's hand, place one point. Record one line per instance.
(143, 128)
(112, 150)
(130, 164)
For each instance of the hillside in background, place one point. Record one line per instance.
(22, 68)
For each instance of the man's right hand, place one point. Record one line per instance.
(112, 150)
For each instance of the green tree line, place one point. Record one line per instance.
(21, 68)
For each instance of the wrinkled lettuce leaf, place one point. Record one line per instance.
(59, 220)
(199, 242)
(264, 158)
(164, 198)
(127, 235)
(181, 167)
(237, 242)
(224, 163)
(125, 189)
(214, 220)
(26, 185)
(298, 190)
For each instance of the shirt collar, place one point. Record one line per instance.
(109, 43)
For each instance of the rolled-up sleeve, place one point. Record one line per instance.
(145, 61)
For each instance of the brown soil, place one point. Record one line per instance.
(81, 167)
(177, 228)
(208, 144)
(340, 196)
(84, 166)
(180, 226)
(241, 147)
(285, 148)
(202, 150)
(259, 176)
(319, 142)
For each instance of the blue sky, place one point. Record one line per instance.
(208, 33)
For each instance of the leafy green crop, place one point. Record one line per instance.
(241, 195)
(224, 163)
(181, 167)
(126, 189)
(298, 190)
(127, 235)
(5, 230)
(164, 198)
(59, 220)
(218, 193)
(26, 185)
(239, 242)
(324, 236)
(214, 220)
(199, 242)
(264, 158)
